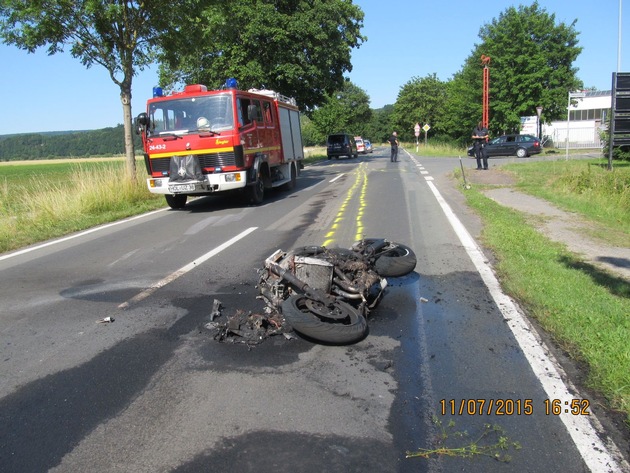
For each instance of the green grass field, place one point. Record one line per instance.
(44, 200)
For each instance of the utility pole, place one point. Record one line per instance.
(485, 60)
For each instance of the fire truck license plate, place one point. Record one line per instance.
(181, 187)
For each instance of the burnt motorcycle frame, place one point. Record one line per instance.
(327, 294)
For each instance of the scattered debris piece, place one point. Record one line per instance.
(106, 320)
(248, 328)
(424, 299)
(216, 309)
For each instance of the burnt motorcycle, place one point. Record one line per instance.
(326, 294)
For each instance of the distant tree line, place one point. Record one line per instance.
(71, 144)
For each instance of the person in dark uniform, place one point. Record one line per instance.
(480, 137)
(393, 140)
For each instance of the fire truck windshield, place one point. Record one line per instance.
(191, 114)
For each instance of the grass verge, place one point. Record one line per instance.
(584, 187)
(586, 310)
(53, 199)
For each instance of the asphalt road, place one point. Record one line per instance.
(154, 392)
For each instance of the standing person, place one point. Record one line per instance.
(480, 137)
(393, 140)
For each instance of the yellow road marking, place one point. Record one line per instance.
(360, 182)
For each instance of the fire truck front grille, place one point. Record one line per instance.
(212, 160)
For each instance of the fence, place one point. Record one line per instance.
(579, 137)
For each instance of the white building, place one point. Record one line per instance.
(587, 118)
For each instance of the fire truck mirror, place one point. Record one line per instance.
(142, 119)
(140, 123)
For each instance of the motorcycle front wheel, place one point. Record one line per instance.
(339, 323)
(391, 261)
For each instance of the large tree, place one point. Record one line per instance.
(299, 48)
(421, 100)
(345, 110)
(531, 65)
(120, 35)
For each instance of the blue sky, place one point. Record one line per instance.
(406, 39)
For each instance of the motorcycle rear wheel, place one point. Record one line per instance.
(339, 324)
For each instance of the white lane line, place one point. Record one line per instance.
(595, 453)
(77, 235)
(183, 270)
(338, 177)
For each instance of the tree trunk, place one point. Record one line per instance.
(125, 98)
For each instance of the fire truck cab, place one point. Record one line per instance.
(200, 141)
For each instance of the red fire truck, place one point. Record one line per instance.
(200, 141)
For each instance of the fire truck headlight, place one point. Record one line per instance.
(232, 177)
(156, 183)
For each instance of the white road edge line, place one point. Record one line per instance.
(77, 235)
(184, 269)
(598, 456)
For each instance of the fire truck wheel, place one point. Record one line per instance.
(339, 324)
(256, 192)
(291, 184)
(176, 202)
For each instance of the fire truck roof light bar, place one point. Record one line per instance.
(275, 95)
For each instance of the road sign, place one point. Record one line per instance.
(416, 129)
(426, 127)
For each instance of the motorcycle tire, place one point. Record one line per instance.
(309, 250)
(396, 259)
(341, 324)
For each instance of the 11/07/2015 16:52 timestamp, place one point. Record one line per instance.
(508, 407)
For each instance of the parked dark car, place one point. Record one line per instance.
(511, 145)
(341, 144)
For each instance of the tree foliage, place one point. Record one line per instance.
(380, 127)
(120, 35)
(300, 48)
(531, 65)
(311, 136)
(421, 100)
(346, 110)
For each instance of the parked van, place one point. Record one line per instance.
(341, 144)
